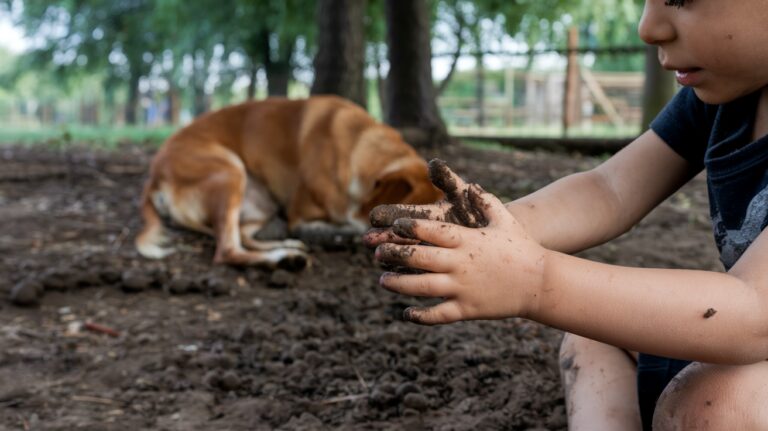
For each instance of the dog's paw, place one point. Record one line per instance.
(293, 263)
(295, 243)
(289, 259)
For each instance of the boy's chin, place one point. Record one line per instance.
(718, 96)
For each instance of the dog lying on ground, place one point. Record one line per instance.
(321, 162)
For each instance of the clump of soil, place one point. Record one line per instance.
(203, 347)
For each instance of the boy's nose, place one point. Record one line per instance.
(656, 26)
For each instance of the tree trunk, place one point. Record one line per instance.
(278, 77)
(340, 59)
(658, 89)
(252, 84)
(381, 83)
(277, 63)
(480, 89)
(460, 24)
(571, 105)
(200, 100)
(410, 91)
(174, 105)
(133, 99)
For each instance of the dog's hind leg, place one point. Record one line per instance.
(151, 240)
(248, 230)
(223, 193)
(258, 206)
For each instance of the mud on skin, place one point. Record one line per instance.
(394, 255)
(384, 216)
(464, 206)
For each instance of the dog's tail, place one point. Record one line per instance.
(151, 240)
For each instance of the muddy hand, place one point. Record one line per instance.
(461, 206)
(491, 272)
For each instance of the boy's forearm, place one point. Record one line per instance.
(571, 214)
(587, 209)
(685, 314)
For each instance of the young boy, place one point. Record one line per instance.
(519, 263)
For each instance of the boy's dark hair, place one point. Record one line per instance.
(678, 3)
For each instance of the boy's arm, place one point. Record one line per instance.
(687, 314)
(499, 271)
(589, 208)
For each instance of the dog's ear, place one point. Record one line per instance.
(392, 188)
(409, 184)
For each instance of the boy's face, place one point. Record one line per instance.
(718, 47)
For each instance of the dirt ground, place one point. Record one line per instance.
(198, 347)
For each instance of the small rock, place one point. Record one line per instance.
(59, 279)
(135, 280)
(244, 334)
(218, 286)
(110, 275)
(407, 388)
(215, 360)
(427, 354)
(298, 351)
(88, 278)
(230, 381)
(381, 397)
(26, 292)
(416, 401)
(281, 278)
(180, 285)
(212, 379)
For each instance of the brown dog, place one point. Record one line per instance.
(320, 161)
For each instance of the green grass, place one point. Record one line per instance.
(97, 136)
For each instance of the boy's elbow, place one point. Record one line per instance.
(754, 349)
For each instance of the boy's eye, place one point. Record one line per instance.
(678, 3)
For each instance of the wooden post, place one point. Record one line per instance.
(509, 95)
(572, 81)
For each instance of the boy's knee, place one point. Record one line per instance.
(710, 397)
(572, 344)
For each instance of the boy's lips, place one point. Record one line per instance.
(688, 76)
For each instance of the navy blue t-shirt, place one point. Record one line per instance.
(717, 138)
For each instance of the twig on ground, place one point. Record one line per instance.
(95, 327)
(118, 241)
(360, 378)
(343, 398)
(95, 400)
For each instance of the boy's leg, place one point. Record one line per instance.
(600, 386)
(707, 396)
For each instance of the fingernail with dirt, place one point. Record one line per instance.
(371, 238)
(404, 227)
(413, 314)
(386, 276)
(394, 254)
(441, 177)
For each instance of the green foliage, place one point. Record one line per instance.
(102, 47)
(100, 137)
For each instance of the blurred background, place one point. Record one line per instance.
(484, 69)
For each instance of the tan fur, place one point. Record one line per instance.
(322, 159)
